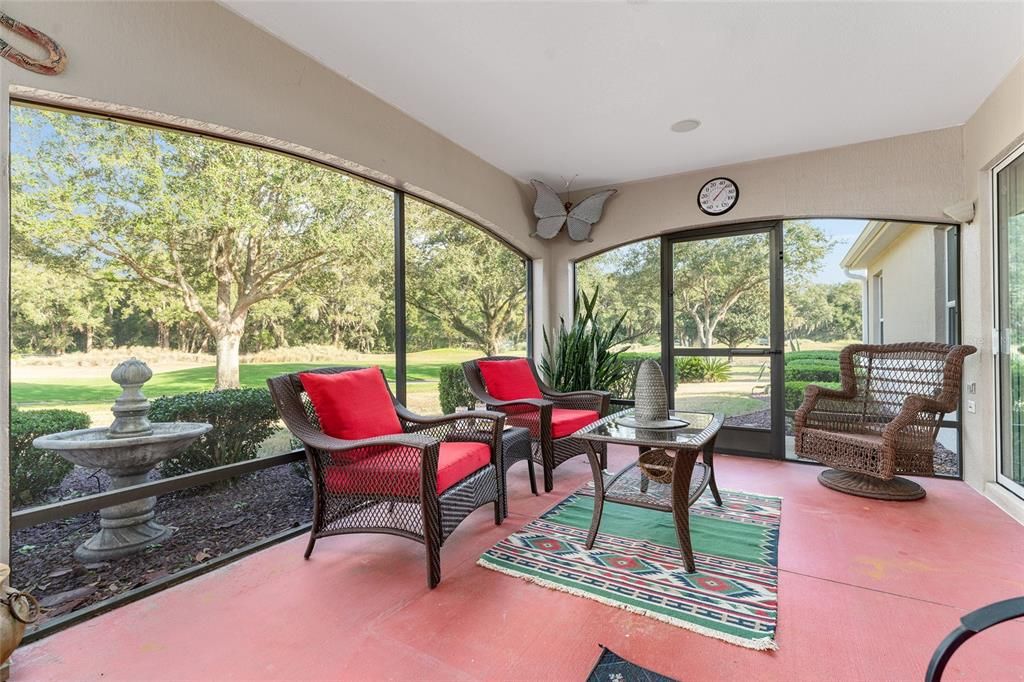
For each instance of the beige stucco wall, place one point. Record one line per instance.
(990, 134)
(198, 61)
(912, 177)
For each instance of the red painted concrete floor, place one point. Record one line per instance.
(866, 591)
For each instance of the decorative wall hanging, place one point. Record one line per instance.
(552, 214)
(51, 66)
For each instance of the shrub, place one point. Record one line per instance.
(34, 471)
(812, 355)
(716, 370)
(812, 371)
(702, 370)
(689, 370)
(242, 419)
(454, 389)
(794, 391)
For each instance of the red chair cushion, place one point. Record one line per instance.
(394, 472)
(566, 422)
(352, 405)
(509, 379)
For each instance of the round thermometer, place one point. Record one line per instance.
(718, 196)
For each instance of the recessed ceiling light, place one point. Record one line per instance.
(686, 125)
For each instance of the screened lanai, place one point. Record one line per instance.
(511, 340)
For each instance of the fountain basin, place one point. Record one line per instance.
(95, 449)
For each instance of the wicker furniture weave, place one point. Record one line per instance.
(537, 416)
(885, 418)
(515, 447)
(371, 502)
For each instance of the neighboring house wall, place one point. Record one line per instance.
(913, 276)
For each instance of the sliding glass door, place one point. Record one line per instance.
(722, 331)
(1009, 205)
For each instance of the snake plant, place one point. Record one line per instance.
(580, 357)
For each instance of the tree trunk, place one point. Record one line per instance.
(163, 335)
(227, 360)
(279, 336)
(87, 332)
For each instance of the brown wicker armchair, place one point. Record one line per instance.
(885, 418)
(392, 483)
(552, 417)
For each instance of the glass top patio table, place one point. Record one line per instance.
(701, 427)
(689, 477)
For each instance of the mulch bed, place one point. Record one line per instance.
(209, 522)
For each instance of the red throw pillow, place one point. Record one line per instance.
(352, 405)
(509, 379)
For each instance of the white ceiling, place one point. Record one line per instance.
(558, 89)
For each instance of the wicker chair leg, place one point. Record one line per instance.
(309, 545)
(433, 547)
(533, 477)
(547, 451)
(432, 539)
(604, 457)
(498, 516)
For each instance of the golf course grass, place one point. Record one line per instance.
(423, 371)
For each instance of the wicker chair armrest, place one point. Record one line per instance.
(321, 441)
(909, 414)
(461, 426)
(585, 400)
(437, 419)
(812, 394)
(534, 402)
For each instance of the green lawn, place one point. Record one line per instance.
(424, 369)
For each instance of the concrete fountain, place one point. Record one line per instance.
(126, 450)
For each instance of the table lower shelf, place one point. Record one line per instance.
(625, 486)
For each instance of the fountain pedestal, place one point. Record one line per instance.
(124, 528)
(127, 450)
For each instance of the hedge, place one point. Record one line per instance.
(35, 471)
(454, 389)
(812, 371)
(794, 391)
(804, 355)
(242, 419)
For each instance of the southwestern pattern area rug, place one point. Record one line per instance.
(635, 563)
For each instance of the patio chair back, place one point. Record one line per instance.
(475, 379)
(293, 403)
(882, 377)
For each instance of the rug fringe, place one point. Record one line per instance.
(762, 644)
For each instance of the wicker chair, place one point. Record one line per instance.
(885, 418)
(536, 414)
(389, 484)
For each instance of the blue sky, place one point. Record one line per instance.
(844, 233)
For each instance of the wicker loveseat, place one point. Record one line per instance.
(552, 417)
(418, 478)
(885, 418)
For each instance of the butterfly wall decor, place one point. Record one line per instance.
(552, 214)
